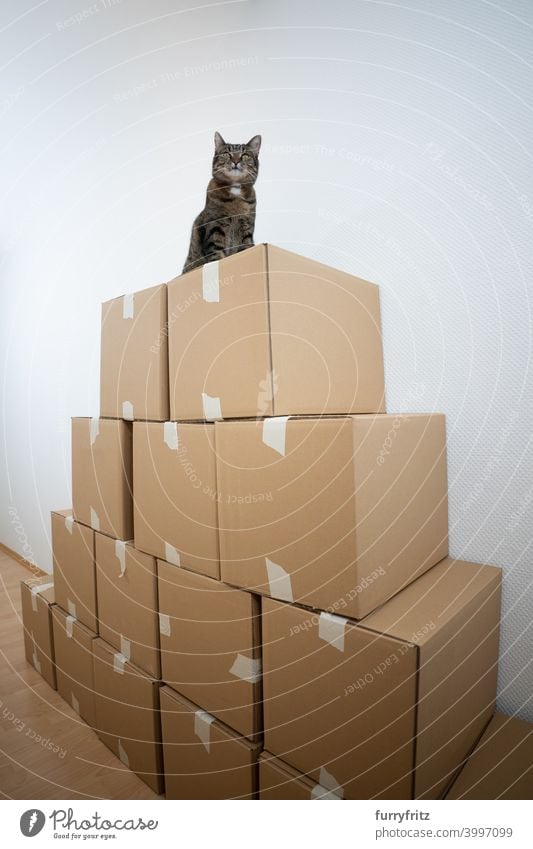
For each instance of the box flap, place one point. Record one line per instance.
(432, 601)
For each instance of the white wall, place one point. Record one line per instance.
(397, 145)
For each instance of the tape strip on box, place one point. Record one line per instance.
(69, 523)
(172, 555)
(127, 411)
(331, 628)
(211, 407)
(125, 647)
(319, 792)
(94, 429)
(69, 626)
(39, 588)
(95, 520)
(119, 660)
(279, 581)
(211, 282)
(35, 659)
(247, 668)
(202, 727)
(120, 554)
(170, 435)
(71, 607)
(274, 433)
(75, 703)
(122, 754)
(327, 780)
(128, 306)
(164, 624)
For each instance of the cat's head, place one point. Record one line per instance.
(236, 163)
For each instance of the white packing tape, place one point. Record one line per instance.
(75, 703)
(279, 581)
(69, 626)
(274, 433)
(119, 661)
(211, 407)
(172, 555)
(246, 668)
(69, 523)
(170, 435)
(202, 727)
(327, 780)
(211, 282)
(122, 754)
(36, 590)
(125, 647)
(94, 428)
(127, 411)
(71, 607)
(331, 628)
(120, 554)
(319, 792)
(35, 659)
(128, 305)
(95, 520)
(164, 624)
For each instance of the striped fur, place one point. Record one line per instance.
(226, 223)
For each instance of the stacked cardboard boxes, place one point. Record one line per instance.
(256, 562)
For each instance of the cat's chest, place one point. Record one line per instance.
(235, 191)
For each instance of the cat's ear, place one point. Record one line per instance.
(219, 142)
(254, 144)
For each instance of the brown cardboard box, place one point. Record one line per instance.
(101, 475)
(127, 602)
(335, 513)
(278, 780)
(204, 759)
(388, 707)
(37, 596)
(267, 332)
(74, 571)
(210, 646)
(174, 494)
(501, 766)
(74, 663)
(127, 714)
(134, 356)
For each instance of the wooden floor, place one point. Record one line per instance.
(33, 715)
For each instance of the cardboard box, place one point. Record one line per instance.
(134, 356)
(267, 332)
(204, 759)
(37, 596)
(127, 602)
(211, 646)
(335, 513)
(278, 780)
(74, 570)
(74, 663)
(501, 766)
(388, 707)
(102, 474)
(127, 714)
(175, 498)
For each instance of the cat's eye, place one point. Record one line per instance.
(246, 157)
(225, 157)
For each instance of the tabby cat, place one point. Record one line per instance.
(226, 224)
